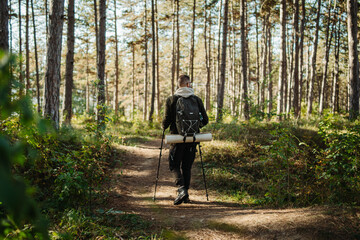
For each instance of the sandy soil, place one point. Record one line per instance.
(132, 191)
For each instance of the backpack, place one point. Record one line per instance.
(187, 116)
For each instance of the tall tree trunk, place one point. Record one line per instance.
(263, 75)
(21, 80)
(207, 59)
(87, 97)
(244, 75)
(352, 11)
(52, 73)
(335, 90)
(146, 64)
(133, 80)
(96, 29)
(173, 53)
(191, 60)
(4, 29)
(270, 86)
(157, 60)
(282, 70)
(153, 59)
(326, 62)
(27, 51)
(290, 72)
(223, 64)
(69, 81)
(177, 40)
(36, 61)
(313, 63)
(101, 64)
(296, 61)
(257, 69)
(116, 87)
(301, 66)
(217, 84)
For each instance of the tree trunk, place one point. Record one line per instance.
(4, 30)
(101, 64)
(352, 11)
(116, 87)
(36, 61)
(257, 71)
(207, 60)
(263, 75)
(326, 62)
(223, 64)
(133, 80)
(153, 58)
(27, 51)
(282, 70)
(21, 80)
(173, 53)
(146, 65)
(87, 97)
(270, 86)
(52, 73)
(335, 90)
(313, 63)
(244, 97)
(157, 60)
(69, 81)
(301, 66)
(96, 29)
(191, 62)
(177, 41)
(217, 84)
(296, 61)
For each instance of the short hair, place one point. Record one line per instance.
(183, 80)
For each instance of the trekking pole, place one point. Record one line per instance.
(202, 166)
(158, 168)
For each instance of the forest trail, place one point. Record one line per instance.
(132, 190)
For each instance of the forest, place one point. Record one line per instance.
(83, 87)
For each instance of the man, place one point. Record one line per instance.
(182, 155)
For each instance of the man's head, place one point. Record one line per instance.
(184, 81)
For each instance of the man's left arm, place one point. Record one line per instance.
(205, 118)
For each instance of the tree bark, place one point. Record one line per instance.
(270, 86)
(223, 64)
(177, 41)
(87, 97)
(301, 66)
(116, 87)
(335, 90)
(4, 29)
(296, 61)
(146, 64)
(173, 53)
(52, 73)
(101, 64)
(257, 71)
(27, 51)
(282, 70)
(326, 62)
(263, 75)
(352, 11)
(217, 84)
(157, 60)
(153, 59)
(36, 61)
(69, 81)
(207, 60)
(133, 80)
(191, 61)
(21, 80)
(313, 63)
(244, 97)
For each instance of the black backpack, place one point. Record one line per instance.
(187, 116)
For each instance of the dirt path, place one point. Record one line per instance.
(133, 190)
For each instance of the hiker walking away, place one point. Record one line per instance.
(181, 107)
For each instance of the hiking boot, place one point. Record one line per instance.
(187, 200)
(183, 194)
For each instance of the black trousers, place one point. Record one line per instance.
(181, 159)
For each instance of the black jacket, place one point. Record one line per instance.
(170, 113)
